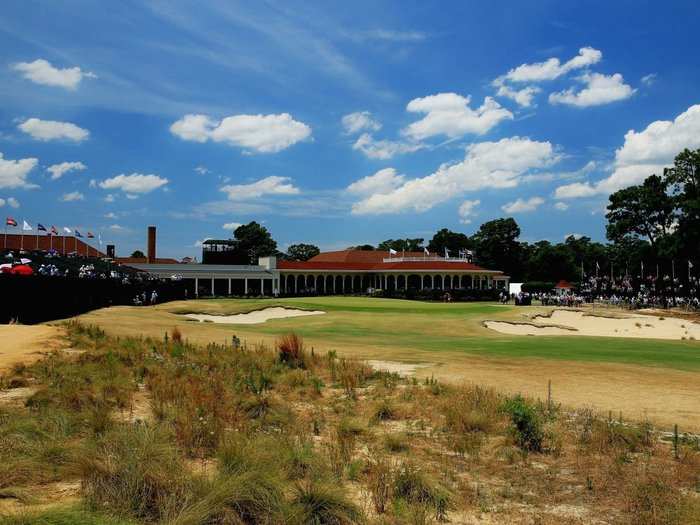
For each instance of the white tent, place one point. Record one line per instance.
(515, 288)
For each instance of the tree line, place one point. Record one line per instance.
(651, 227)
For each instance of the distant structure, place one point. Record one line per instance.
(63, 244)
(338, 272)
(151, 254)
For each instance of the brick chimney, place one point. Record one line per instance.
(151, 255)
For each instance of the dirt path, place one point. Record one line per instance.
(26, 343)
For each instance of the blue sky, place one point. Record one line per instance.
(338, 123)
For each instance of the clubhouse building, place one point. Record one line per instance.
(337, 272)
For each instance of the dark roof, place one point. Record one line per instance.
(225, 242)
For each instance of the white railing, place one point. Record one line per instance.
(427, 258)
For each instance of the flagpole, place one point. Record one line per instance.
(64, 243)
(21, 238)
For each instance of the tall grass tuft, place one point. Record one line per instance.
(323, 504)
(134, 471)
(291, 351)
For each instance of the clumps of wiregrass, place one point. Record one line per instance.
(385, 410)
(243, 435)
(414, 486)
(318, 503)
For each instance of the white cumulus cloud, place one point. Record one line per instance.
(360, 121)
(383, 181)
(600, 89)
(487, 165)
(642, 154)
(272, 185)
(449, 114)
(133, 184)
(383, 149)
(46, 130)
(561, 206)
(523, 205)
(42, 72)
(72, 196)
(230, 226)
(58, 170)
(552, 68)
(466, 211)
(523, 97)
(14, 173)
(258, 133)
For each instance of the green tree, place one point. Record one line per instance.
(550, 262)
(645, 210)
(138, 254)
(302, 252)
(497, 247)
(684, 180)
(362, 248)
(409, 245)
(252, 241)
(453, 241)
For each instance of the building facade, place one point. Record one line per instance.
(339, 272)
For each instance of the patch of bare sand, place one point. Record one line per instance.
(576, 322)
(26, 343)
(663, 396)
(256, 316)
(397, 367)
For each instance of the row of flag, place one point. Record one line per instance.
(463, 254)
(26, 227)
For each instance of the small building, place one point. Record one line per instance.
(563, 288)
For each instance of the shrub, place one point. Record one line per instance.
(527, 425)
(291, 351)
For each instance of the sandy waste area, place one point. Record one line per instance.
(396, 367)
(23, 343)
(255, 317)
(574, 322)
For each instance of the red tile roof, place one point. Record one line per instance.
(358, 260)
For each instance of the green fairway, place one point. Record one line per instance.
(402, 326)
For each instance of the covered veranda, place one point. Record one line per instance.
(327, 283)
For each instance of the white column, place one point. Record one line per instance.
(212, 287)
(405, 282)
(245, 286)
(196, 286)
(262, 286)
(229, 286)
(333, 276)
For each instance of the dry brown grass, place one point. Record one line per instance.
(244, 436)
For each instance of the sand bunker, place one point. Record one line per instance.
(255, 317)
(574, 322)
(26, 343)
(395, 367)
